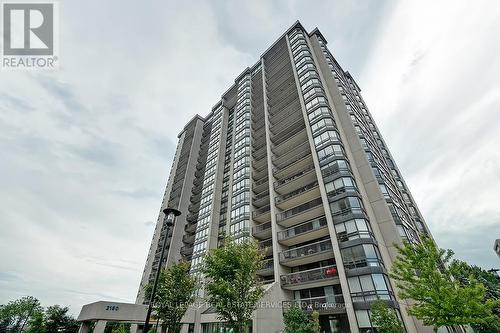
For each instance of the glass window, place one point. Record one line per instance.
(363, 318)
(366, 283)
(378, 280)
(354, 284)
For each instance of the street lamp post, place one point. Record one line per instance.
(170, 214)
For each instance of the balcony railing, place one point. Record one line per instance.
(188, 238)
(299, 209)
(344, 236)
(187, 250)
(373, 295)
(266, 244)
(329, 303)
(292, 160)
(266, 265)
(302, 228)
(348, 211)
(292, 178)
(343, 189)
(262, 227)
(297, 192)
(261, 181)
(333, 170)
(311, 275)
(261, 211)
(363, 262)
(306, 250)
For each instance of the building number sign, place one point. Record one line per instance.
(112, 308)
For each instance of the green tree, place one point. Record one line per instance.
(173, 295)
(385, 319)
(15, 315)
(422, 275)
(117, 327)
(232, 285)
(296, 320)
(316, 327)
(467, 274)
(58, 320)
(37, 323)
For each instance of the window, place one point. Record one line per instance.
(353, 229)
(331, 150)
(339, 185)
(361, 256)
(329, 135)
(363, 319)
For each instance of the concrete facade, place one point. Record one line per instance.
(101, 312)
(291, 156)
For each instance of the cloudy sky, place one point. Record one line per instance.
(86, 150)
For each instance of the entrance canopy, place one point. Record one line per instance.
(113, 311)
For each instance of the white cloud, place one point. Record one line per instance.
(86, 150)
(431, 82)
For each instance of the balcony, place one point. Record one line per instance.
(262, 231)
(296, 181)
(187, 250)
(299, 162)
(193, 217)
(304, 232)
(297, 150)
(261, 185)
(294, 198)
(349, 213)
(266, 246)
(261, 199)
(312, 278)
(307, 254)
(290, 142)
(345, 237)
(262, 214)
(331, 304)
(188, 239)
(301, 213)
(190, 227)
(291, 156)
(267, 268)
(260, 164)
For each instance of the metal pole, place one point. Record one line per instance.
(169, 223)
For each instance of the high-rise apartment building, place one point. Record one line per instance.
(291, 156)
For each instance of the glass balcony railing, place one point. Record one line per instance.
(303, 228)
(333, 170)
(306, 250)
(343, 189)
(373, 295)
(344, 236)
(297, 192)
(363, 262)
(311, 275)
(299, 209)
(348, 211)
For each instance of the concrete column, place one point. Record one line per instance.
(84, 327)
(100, 326)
